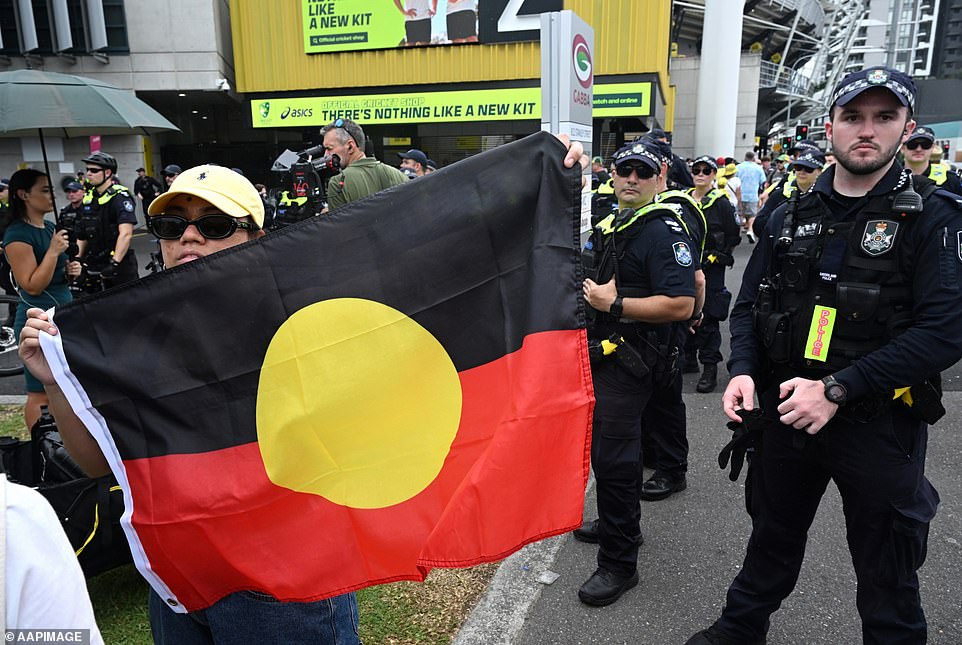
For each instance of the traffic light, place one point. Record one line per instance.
(945, 150)
(786, 143)
(801, 132)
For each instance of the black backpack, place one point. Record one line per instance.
(89, 509)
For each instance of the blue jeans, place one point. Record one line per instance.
(251, 617)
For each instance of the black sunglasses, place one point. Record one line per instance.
(216, 226)
(702, 170)
(94, 171)
(643, 171)
(925, 144)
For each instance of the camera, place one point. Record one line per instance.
(305, 184)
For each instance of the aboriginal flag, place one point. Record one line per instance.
(352, 400)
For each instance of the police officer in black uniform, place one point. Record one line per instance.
(723, 236)
(664, 425)
(71, 216)
(107, 224)
(917, 151)
(853, 296)
(779, 192)
(640, 264)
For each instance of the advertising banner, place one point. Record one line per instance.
(503, 104)
(352, 25)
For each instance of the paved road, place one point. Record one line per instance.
(694, 545)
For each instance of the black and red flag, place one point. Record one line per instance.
(353, 400)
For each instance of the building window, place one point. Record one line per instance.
(114, 19)
(116, 23)
(8, 30)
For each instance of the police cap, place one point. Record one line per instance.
(641, 150)
(812, 158)
(921, 132)
(416, 155)
(706, 160)
(802, 146)
(898, 83)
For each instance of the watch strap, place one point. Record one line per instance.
(617, 307)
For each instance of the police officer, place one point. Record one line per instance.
(71, 215)
(779, 192)
(603, 200)
(853, 296)
(665, 420)
(641, 263)
(170, 173)
(107, 224)
(917, 152)
(723, 236)
(664, 423)
(678, 173)
(598, 170)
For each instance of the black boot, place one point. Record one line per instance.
(588, 532)
(709, 379)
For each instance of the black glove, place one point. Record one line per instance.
(744, 435)
(110, 270)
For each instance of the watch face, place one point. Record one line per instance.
(835, 393)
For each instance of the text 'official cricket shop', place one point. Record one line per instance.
(452, 84)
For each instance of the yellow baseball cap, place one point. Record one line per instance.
(730, 169)
(229, 191)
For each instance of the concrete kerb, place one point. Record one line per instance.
(13, 399)
(499, 616)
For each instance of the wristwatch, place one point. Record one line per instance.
(835, 391)
(617, 307)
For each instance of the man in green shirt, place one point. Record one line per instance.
(360, 175)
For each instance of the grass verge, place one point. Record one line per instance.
(402, 613)
(11, 422)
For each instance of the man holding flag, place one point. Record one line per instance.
(210, 209)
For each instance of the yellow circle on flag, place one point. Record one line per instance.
(356, 402)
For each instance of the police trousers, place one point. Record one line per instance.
(705, 344)
(888, 503)
(620, 399)
(664, 429)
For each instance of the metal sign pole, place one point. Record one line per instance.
(567, 82)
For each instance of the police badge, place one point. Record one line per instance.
(879, 236)
(877, 76)
(682, 254)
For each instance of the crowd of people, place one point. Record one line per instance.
(841, 327)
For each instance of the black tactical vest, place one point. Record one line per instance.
(839, 290)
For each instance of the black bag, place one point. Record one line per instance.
(89, 509)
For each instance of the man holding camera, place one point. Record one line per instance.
(360, 175)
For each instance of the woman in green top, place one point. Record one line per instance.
(37, 260)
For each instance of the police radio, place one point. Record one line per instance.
(907, 202)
